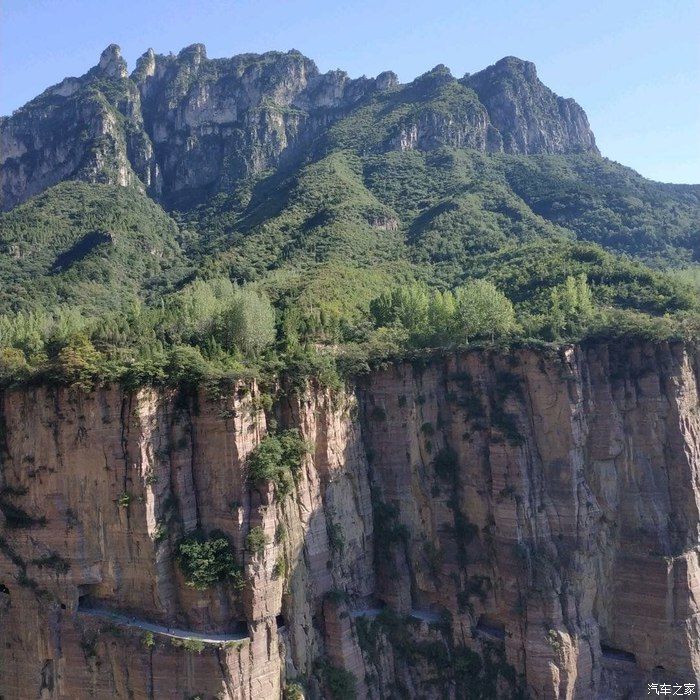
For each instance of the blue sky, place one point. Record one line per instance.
(633, 65)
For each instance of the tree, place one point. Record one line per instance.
(206, 561)
(572, 307)
(277, 458)
(248, 324)
(186, 364)
(77, 362)
(441, 315)
(408, 307)
(481, 310)
(13, 364)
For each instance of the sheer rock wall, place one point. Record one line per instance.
(521, 523)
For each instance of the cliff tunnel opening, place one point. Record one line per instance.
(240, 627)
(85, 597)
(610, 653)
(281, 624)
(490, 628)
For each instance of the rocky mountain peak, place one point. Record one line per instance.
(512, 65)
(528, 115)
(145, 66)
(387, 80)
(194, 54)
(111, 64)
(191, 125)
(440, 74)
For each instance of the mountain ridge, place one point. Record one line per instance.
(185, 126)
(346, 213)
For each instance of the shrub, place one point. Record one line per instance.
(191, 645)
(205, 562)
(388, 532)
(187, 365)
(342, 685)
(161, 532)
(277, 459)
(336, 539)
(256, 541)
(446, 464)
(13, 365)
(293, 691)
(279, 570)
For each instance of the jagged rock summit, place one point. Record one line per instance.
(529, 117)
(184, 127)
(111, 64)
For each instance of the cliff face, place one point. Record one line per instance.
(184, 127)
(87, 128)
(481, 523)
(214, 122)
(180, 126)
(527, 115)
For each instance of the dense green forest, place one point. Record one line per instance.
(355, 254)
(101, 285)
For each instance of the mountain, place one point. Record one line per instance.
(264, 163)
(346, 389)
(185, 126)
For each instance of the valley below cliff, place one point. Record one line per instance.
(471, 525)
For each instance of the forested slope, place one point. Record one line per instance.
(326, 218)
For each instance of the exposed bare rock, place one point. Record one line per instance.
(88, 128)
(185, 127)
(529, 117)
(522, 522)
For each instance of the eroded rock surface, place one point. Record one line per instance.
(520, 524)
(186, 127)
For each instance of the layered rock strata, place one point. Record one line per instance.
(479, 524)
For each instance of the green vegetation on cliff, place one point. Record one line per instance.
(277, 459)
(206, 561)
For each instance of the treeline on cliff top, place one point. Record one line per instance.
(354, 257)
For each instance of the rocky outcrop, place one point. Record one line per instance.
(214, 122)
(527, 115)
(185, 127)
(181, 126)
(442, 112)
(87, 128)
(501, 523)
